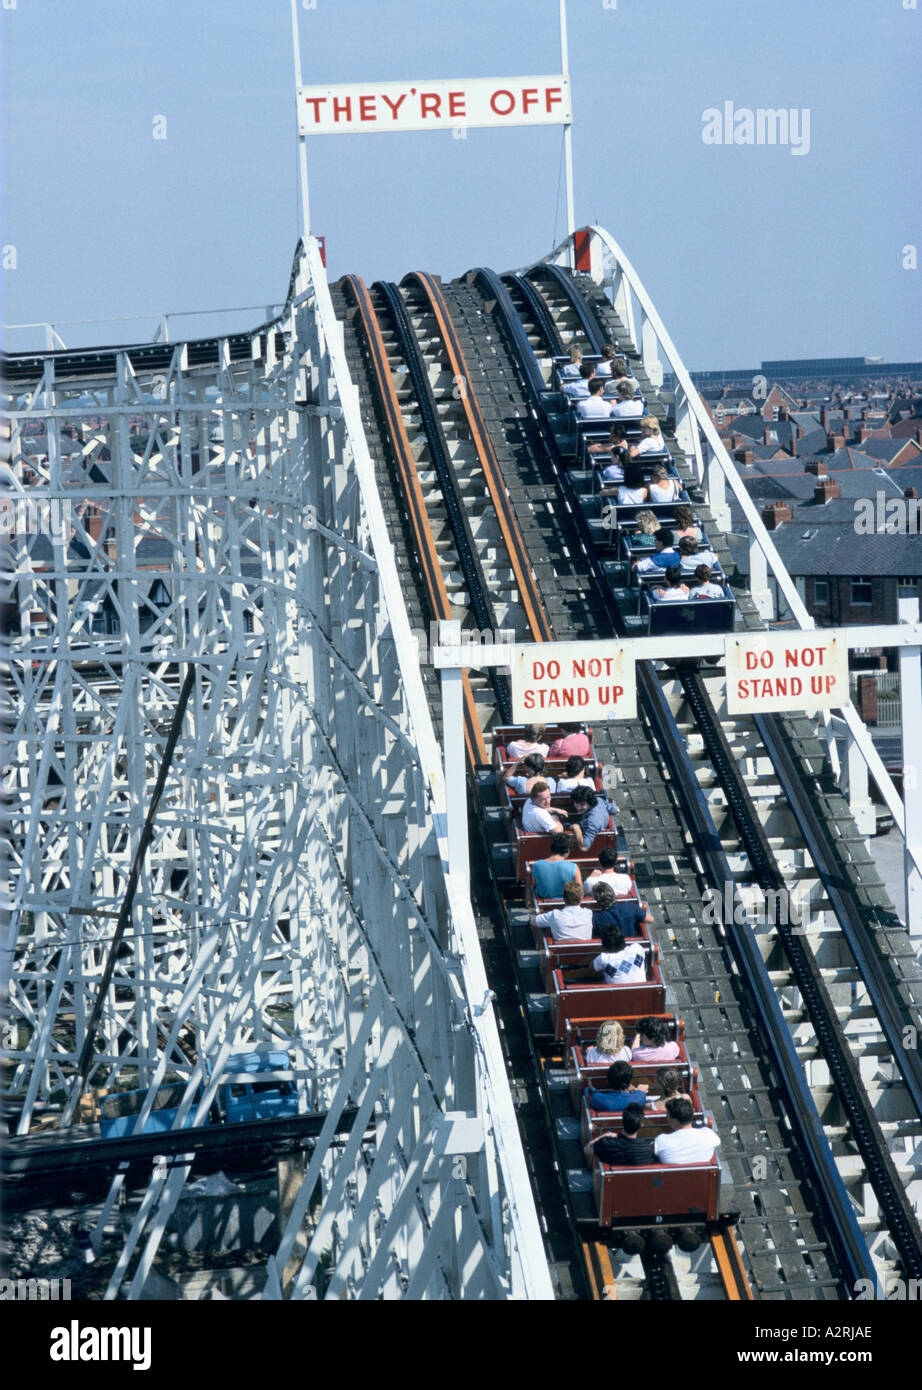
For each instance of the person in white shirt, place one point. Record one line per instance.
(603, 367)
(576, 767)
(571, 368)
(537, 816)
(594, 408)
(651, 440)
(704, 587)
(633, 490)
(619, 374)
(620, 884)
(530, 742)
(675, 591)
(662, 487)
(626, 407)
(620, 963)
(691, 555)
(609, 1045)
(570, 922)
(683, 1144)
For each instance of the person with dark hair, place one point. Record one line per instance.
(651, 1042)
(530, 742)
(691, 555)
(670, 1088)
(675, 590)
(593, 407)
(526, 773)
(624, 1149)
(683, 1144)
(578, 389)
(572, 742)
(620, 373)
(592, 812)
(551, 874)
(603, 366)
(607, 872)
(570, 922)
(634, 489)
(621, 1090)
(685, 524)
(704, 586)
(627, 914)
(576, 768)
(665, 553)
(620, 963)
(620, 451)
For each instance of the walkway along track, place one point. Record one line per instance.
(900, 1219)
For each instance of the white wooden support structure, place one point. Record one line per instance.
(298, 892)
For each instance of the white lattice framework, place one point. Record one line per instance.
(218, 508)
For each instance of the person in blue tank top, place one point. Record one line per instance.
(552, 873)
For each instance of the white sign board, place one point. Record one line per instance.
(573, 681)
(353, 108)
(771, 671)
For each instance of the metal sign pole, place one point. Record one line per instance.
(567, 132)
(302, 141)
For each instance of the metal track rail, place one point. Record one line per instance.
(890, 1011)
(851, 1248)
(844, 1070)
(436, 593)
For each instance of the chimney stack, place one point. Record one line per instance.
(765, 435)
(826, 490)
(815, 466)
(824, 418)
(862, 432)
(774, 515)
(835, 441)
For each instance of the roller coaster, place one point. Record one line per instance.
(394, 458)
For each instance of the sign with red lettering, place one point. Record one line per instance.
(573, 680)
(772, 671)
(351, 108)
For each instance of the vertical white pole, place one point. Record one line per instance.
(302, 142)
(910, 663)
(455, 768)
(567, 132)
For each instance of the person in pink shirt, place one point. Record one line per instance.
(651, 1044)
(573, 743)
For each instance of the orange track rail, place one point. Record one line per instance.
(436, 592)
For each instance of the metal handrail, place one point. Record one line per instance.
(716, 470)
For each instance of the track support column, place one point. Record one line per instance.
(910, 659)
(455, 764)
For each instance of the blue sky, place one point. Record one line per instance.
(749, 252)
